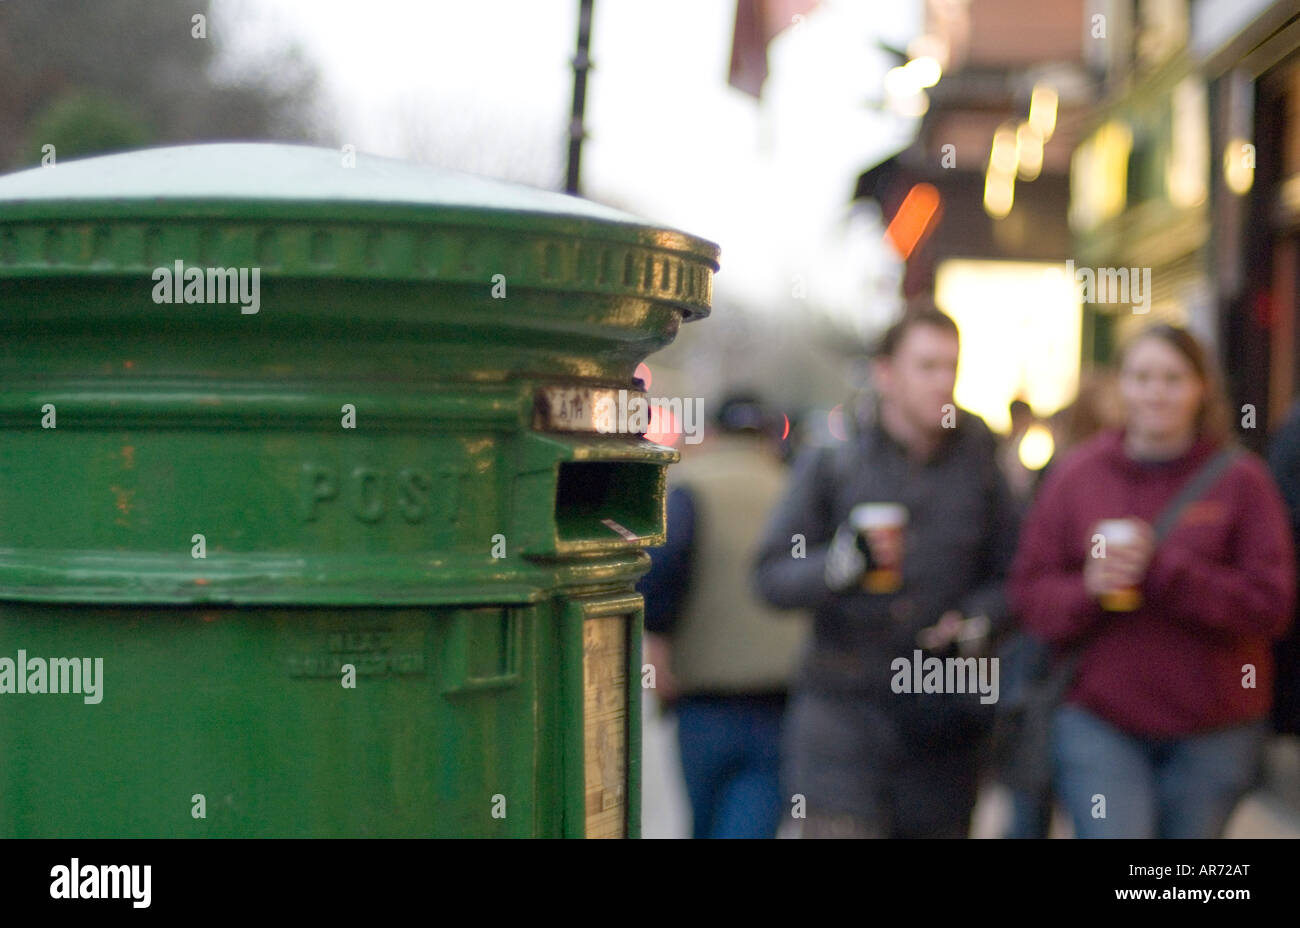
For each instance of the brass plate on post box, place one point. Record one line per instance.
(604, 725)
(582, 408)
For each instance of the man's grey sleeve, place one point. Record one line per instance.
(800, 525)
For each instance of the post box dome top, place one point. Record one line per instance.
(73, 217)
(267, 172)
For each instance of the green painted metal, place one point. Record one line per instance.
(437, 307)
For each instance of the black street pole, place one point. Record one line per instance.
(581, 65)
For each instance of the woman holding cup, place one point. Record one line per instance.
(1160, 570)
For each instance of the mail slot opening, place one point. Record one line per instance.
(608, 500)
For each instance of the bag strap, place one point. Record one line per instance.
(1191, 491)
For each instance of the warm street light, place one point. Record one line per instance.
(1042, 111)
(1003, 159)
(924, 71)
(1036, 447)
(1029, 152)
(999, 194)
(904, 93)
(1000, 180)
(1239, 166)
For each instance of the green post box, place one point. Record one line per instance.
(308, 522)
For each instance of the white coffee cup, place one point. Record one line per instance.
(1119, 533)
(883, 522)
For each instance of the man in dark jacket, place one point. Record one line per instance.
(865, 755)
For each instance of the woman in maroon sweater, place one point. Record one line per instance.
(1161, 730)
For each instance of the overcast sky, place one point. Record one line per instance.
(486, 86)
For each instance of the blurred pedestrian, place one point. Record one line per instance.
(722, 657)
(1020, 478)
(1159, 566)
(1284, 459)
(898, 541)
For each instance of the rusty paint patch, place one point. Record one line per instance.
(122, 499)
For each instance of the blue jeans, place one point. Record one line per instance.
(731, 751)
(1151, 788)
